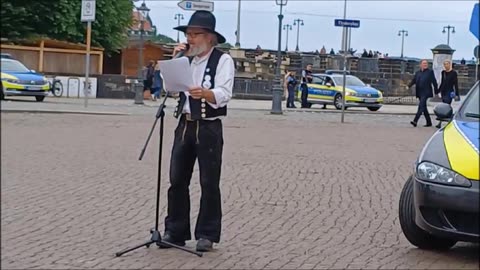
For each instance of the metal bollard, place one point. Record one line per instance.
(138, 91)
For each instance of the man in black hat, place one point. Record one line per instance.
(199, 134)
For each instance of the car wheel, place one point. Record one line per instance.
(337, 101)
(414, 234)
(373, 109)
(39, 98)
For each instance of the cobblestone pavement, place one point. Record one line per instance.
(299, 191)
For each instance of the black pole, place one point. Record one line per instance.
(277, 88)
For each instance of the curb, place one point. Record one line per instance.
(61, 112)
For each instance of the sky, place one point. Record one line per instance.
(380, 22)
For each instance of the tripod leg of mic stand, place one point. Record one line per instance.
(146, 244)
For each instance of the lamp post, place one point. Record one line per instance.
(287, 27)
(237, 33)
(298, 22)
(277, 82)
(448, 27)
(178, 17)
(143, 14)
(403, 33)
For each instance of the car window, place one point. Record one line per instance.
(13, 66)
(329, 80)
(351, 81)
(471, 107)
(317, 80)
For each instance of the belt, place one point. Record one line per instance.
(188, 117)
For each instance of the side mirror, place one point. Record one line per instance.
(328, 84)
(32, 70)
(443, 111)
(368, 85)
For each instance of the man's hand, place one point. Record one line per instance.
(197, 92)
(457, 98)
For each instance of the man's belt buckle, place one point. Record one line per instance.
(188, 117)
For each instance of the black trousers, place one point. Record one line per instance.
(304, 96)
(422, 109)
(202, 140)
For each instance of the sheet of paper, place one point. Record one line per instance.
(177, 75)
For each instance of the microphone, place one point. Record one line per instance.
(181, 53)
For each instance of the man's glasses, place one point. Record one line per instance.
(194, 34)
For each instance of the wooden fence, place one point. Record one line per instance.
(51, 56)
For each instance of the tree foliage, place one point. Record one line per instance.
(60, 19)
(163, 39)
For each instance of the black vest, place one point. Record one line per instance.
(199, 108)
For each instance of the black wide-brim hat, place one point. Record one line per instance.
(202, 19)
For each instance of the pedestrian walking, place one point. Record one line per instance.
(448, 89)
(423, 81)
(157, 85)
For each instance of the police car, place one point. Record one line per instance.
(439, 203)
(327, 89)
(18, 80)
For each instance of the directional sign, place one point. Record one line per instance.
(88, 11)
(347, 23)
(196, 5)
(475, 21)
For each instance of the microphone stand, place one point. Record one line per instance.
(156, 238)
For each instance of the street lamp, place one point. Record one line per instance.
(298, 22)
(277, 82)
(448, 27)
(143, 14)
(287, 27)
(403, 33)
(178, 17)
(237, 33)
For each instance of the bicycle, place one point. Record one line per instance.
(56, 87)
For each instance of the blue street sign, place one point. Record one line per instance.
(475, 21)
(347, 23)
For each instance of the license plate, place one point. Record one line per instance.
(370, 100)
(33, 88)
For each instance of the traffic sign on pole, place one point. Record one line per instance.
(347, 23)
(88, 11)
(195, 5)
(88, 16)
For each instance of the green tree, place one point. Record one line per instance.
(163, 39)
(60, 19)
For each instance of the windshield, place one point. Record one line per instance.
(351, 81)
(13, 66)
(470, 108)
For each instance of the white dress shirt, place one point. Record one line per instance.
(224, 79)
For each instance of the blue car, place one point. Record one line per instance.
(18, 80)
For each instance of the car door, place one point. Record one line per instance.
(329, 89)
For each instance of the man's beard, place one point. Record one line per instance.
(198, 49)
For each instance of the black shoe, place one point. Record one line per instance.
(428, 125)
(413, 123)
(204, 245)
(168, 238)
(439, 125)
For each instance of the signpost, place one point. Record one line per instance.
(88, 15)
(346, 24)
(191, 5)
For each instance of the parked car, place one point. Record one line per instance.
(327, 88)
(6, 55)
(439, 203)
(18, 80)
